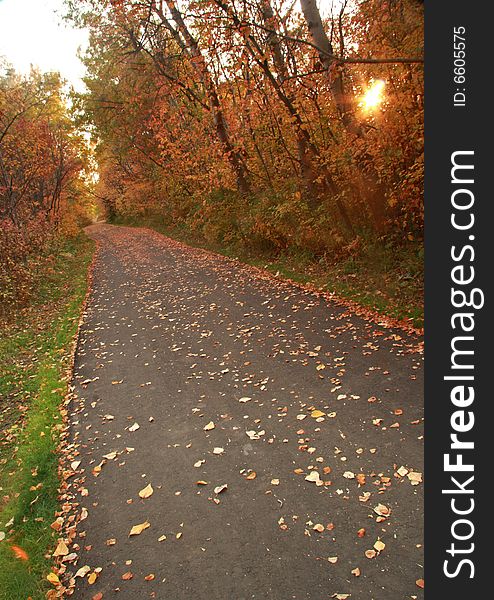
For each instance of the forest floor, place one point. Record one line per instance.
(238, 437)
(380, 276)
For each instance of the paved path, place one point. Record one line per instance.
(177, 338)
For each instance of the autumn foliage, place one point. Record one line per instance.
(41, 189)
(246, 121)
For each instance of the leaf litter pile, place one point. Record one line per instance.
(235, 436)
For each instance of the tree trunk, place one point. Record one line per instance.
(192, 47)
(308, 153)
(374, 194)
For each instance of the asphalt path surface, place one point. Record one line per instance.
(277, 436)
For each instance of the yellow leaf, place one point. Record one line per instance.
(316, 414)
(146, 492)
(52, 578)
(61, 549)
(138, 529)
(209, 426)
(92, 578)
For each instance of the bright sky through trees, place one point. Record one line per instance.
(32, 32)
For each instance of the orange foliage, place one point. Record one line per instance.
(219, 115)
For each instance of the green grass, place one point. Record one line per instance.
(386, 278)
(34, 358)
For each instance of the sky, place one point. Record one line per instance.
(31, 32)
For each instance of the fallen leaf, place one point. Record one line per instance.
(318, 527)
(315, 414)
(382, 510)
(61, 549)
(83, 571)
(415, 478)
(251, 475)
(53, 579)
(146, 492)
(209, 426)
(134, 427)
(138, 529)
(19, 553)
(57, 524)
(127, 576)
(314, 477)
(420, 583)
(149, 577)
(220, 488)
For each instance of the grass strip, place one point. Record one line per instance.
(34, 358)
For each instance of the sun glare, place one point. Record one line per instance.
(373, 96)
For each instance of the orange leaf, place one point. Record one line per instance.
(19, 553)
